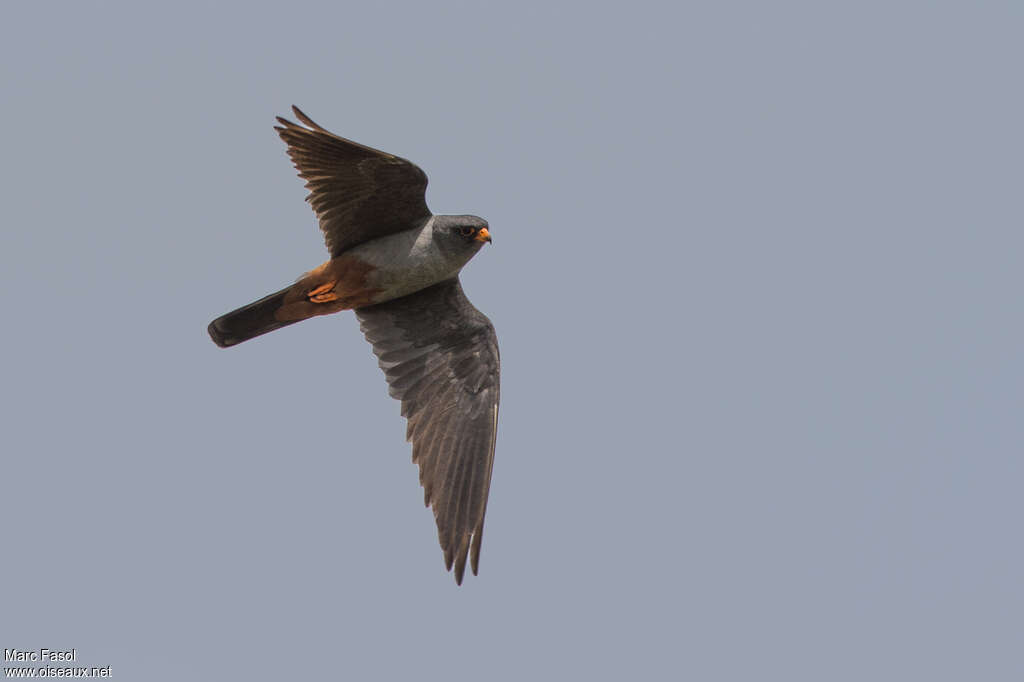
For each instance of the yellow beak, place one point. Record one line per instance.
(483, 235)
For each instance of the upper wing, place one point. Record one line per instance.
(440, 357)
(358, 193)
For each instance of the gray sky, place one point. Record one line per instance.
(756, 277)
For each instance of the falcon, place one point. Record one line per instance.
(397, 266)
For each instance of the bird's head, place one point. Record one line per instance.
(461, 235)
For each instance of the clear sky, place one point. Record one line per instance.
(756, 277)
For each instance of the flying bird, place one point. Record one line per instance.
(397, 266)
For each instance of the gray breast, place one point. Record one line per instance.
(406, 262)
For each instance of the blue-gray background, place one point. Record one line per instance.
(756, 276)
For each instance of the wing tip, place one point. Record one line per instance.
(291, 125)
(458, 558)
(474, 554)
(299, 114)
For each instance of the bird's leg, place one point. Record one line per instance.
(323, 293)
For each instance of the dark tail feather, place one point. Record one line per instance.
(248, 321)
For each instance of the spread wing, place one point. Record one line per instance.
(357, 192)
(440, 357)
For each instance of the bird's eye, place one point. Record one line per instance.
(467, 231)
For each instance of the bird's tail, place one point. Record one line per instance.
(250, 321)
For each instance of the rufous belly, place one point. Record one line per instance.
(338, 284)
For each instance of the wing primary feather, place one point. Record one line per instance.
(455, 494)
(460, 561)
(306, 119)
(478, 531)
(465, 514)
